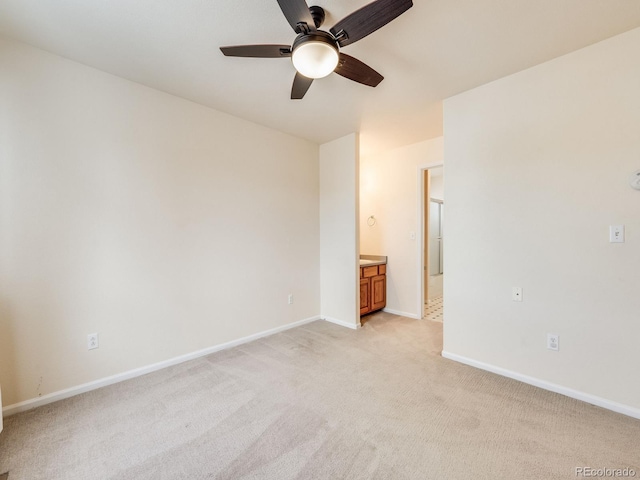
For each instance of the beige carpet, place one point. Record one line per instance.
(320, 402)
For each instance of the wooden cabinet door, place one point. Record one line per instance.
(378, 292)
(365, 298)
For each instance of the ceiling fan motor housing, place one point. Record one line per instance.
(317, 36)
(317, 13)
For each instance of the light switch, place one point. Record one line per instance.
(616, 234)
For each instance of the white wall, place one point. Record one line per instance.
(389, 190)
(339, 265)
(164, 226)
(537, 168)
(436, 186)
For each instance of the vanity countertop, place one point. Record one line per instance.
(370, 260)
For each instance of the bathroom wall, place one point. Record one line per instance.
(436, 188)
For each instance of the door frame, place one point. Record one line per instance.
(421, 200)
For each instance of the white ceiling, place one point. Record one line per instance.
(436, 49)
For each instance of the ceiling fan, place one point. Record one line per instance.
(316, 53)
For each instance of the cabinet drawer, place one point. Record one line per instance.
(370, 271)
(382, 269)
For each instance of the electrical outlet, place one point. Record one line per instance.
(516, 294)
(553, 342)
(92, 341)
(290, 300)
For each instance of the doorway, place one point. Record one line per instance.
(433, 243)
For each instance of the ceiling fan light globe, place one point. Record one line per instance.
(315, 59)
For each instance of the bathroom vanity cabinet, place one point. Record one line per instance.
(373, 288)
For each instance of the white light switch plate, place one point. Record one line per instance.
(616, 234)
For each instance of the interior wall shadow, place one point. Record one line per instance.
(7, 351)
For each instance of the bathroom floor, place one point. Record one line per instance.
(433, 309)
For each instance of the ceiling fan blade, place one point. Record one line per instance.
(300, 86)
(297, 11)
(355, 70)
(259, 51)
(368, 19)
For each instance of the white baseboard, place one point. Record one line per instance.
(342, 323)
(402, 314)
(103, 382)
(552, 387)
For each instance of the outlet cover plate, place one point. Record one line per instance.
(92, 341)
(516, 294)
